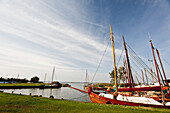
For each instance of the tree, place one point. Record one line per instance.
(121, 72)
(112, 77)
(34, 79)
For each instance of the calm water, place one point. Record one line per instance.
(64, 92)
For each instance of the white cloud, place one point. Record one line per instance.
(32, 39)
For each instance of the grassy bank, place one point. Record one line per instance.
(23, 104)
(21, 84)
(103, 85)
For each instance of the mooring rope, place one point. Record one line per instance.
(100, 61)
(79, 97)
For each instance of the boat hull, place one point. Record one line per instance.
(103, 100)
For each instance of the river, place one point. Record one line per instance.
(58, 93)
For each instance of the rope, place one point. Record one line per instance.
(141, 65)
(166, 61)
(79, 97)
(100, 61)
(139, 60)
(138, 56)
(160, 74)
(120, 57)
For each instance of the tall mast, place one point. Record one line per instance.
(18, 76)
(115, 74)
(86, 75)
(143, 77)
(45, 77)
(137, 78)
(162, 67)
(52, 81)
(147, 83)
(155, 62)
(128, 64)
(152, 76)
(53, 74)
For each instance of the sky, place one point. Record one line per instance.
(72, 35)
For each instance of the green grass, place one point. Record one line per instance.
(21, 84)
(27, 104)
(103, 84)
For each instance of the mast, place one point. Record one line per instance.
(128, 64)
(126, 75)
(45, 77)
(123, 78)
(53, 74)
(115, 74)
(52, 82)
(143, 77)
(18, 76)
(152, 76)
(86, 75)
(137, 78)
(146, 76)
(155, 62)
(162, 67)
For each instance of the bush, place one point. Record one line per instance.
(34, 79)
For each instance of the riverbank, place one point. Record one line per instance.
(22, 103)
(30, 85)
(22, 84)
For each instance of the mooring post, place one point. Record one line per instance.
(51, 96)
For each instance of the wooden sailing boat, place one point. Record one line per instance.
(126, 100)
(118, 99)
(53, 84)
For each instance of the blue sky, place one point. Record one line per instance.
(71, 35)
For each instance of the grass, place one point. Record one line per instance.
(21, 84)
(103, 84)
(10, 103)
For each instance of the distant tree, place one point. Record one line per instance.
(34, 79)
(24, 80)
(119, 74)
(112, 77)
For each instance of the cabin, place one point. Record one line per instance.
(56, 83)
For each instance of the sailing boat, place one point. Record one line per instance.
(118, 99)
(53, 84)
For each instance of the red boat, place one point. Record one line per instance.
(116, 98)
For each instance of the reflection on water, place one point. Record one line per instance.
(63, 92)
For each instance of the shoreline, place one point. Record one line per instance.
(26, 103)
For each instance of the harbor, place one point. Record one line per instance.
(84, 56)
(65, 93)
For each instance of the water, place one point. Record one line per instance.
(58, 93)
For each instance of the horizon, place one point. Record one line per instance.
(72, 35)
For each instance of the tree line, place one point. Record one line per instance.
(34, 79)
